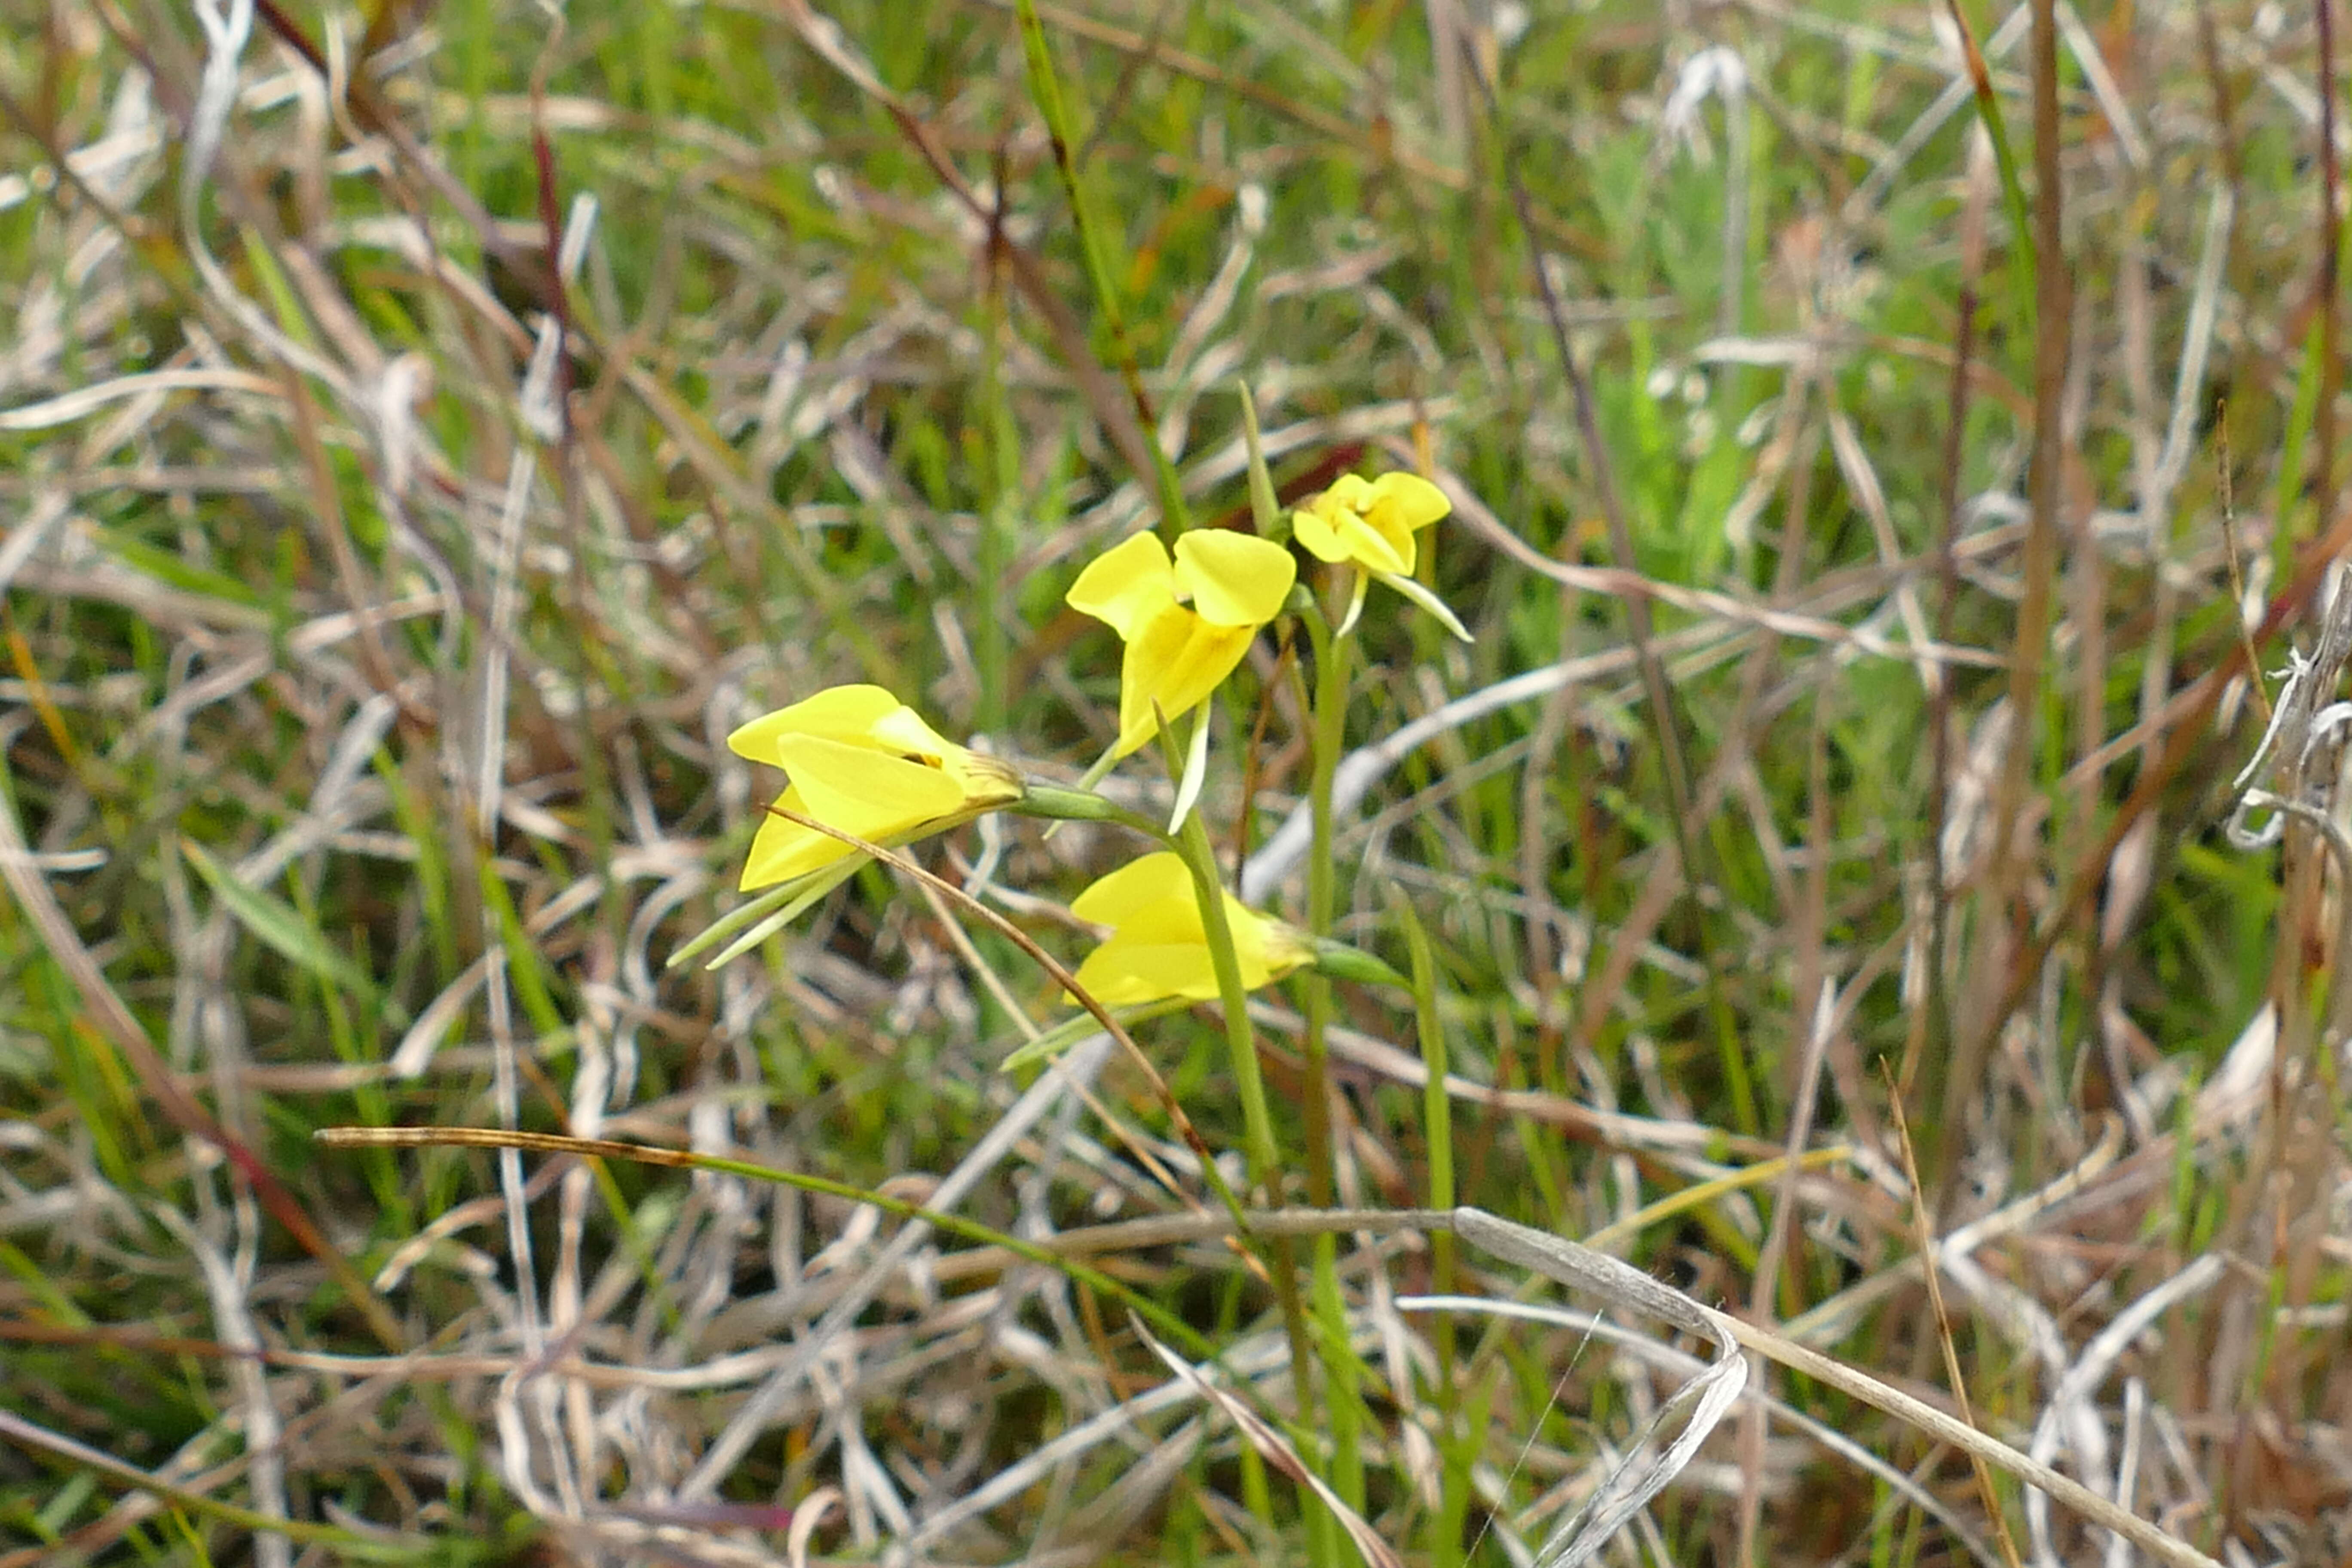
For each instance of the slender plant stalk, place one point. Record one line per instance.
(1330, 713)
(955, 1225)
(2331, 240)
(1924, 1232)
(1047, 91)
(2012, 184)
(1257, 1119)
(1344, 1407)
(1459, 1444)
(1001, 483)
(1928, 1054)
(1265, 1155)
(348, 1545)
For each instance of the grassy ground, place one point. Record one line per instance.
(426, 432)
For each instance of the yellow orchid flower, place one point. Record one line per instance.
(1177, 654)
(1158, 947)
(863, 761)
(1369, 524)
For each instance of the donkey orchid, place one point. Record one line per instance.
(1177, 653)
(865, 763)
(1158, 946)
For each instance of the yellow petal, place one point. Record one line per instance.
(1155, 878)
(1267, 949)
(1404, 500)
(1174, 665)
(781, 850)
(1287, 947)
(902, 731)
(871, 794)
(1318, 533)
(843, 712)
(1233, 579)
(1398, 506)
(1121, 974)
(1156, 947)
(982, 781)
(1396, 544)
(1336, 533)
(1248, 929)
(1126, 586)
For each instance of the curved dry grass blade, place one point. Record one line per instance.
(2150, 1539)
(1642, 1346)
(1568, 1263)
(752, 1170)
(40, 1439)
(1708, 1397)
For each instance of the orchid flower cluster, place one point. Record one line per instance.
(860, 762)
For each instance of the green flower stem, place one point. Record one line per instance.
(1458, 1446)
(1265, 1157)
(1060, 803)
(1280, 1254)
(1337, 960)
(1257, 1121)
(1047, 91)
(1330, 716)
(1330, 713)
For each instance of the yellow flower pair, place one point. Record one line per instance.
(1177, 654)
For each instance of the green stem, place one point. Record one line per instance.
(1241, 1040)
(1264, 1158)
(1046, 90)
(1060, 803)
(1001, 484)
(1330, 716)
(1437, 1127)
(1280, 1252)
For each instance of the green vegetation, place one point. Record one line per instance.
(426, 437)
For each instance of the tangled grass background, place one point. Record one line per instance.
(425, 432)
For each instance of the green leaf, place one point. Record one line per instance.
(288, 933)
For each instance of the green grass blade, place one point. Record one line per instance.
(286, 933)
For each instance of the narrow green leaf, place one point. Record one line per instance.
(288, 933)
